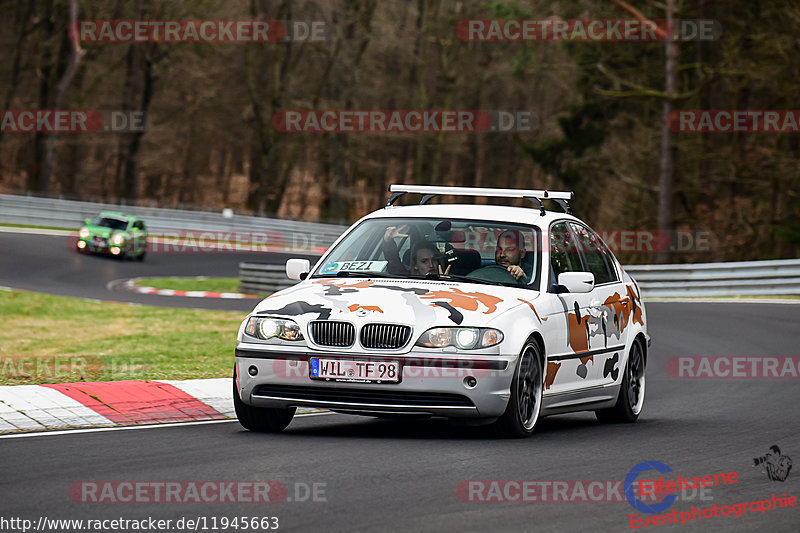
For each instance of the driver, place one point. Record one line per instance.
(510, 252)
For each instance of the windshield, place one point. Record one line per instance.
(481, 251)
(113, 223)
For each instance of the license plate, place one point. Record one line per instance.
(351, 370)
(99, 241)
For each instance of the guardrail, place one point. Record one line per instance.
(261, 278)
(750, 278)
(747, 278)
(30, 210)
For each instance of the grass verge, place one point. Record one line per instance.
(57, 339)
(199, 283)
(29, 226)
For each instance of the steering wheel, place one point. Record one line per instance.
(493, 273)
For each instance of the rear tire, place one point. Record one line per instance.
(260, 419)
(525, 403)
(141, 256)
(631, 391)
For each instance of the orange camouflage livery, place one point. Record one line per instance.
(466, 300)
(636, 317)
(532, 309)
(552, 370)
(356, 307)
(626, 309)
(578, 333)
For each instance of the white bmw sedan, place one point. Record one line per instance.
(490, 314)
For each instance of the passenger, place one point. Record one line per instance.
(510, 252)
(425, 257)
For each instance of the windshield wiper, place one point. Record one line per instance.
(356, 274)
(454, 277)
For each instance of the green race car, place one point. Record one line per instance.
(115, 233)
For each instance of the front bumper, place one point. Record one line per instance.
(102, 245)
(433, 384)
(93, 244)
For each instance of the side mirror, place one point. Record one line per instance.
(576, 282)
(297, 268)
(86, 221)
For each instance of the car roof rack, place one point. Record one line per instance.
(534, 195)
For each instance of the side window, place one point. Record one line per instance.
(564, 254)
(597, 257)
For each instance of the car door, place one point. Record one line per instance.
(570, 360)
(608, 312)
(139, 236)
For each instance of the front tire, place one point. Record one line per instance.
(525, 403)
(631, 392)
(260, 419)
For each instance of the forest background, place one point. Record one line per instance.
(598, 109)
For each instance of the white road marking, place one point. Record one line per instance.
(125, 428)
(39, 231)
(745, 300)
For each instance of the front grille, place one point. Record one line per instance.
(384, 336)
(362, 396)
(332, 333)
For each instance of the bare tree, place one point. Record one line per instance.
(667, 160)
(47, 142)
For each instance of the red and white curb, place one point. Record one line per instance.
(130, 285)
(114, 403)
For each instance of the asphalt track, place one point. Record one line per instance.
(46, 263)
(395, 475)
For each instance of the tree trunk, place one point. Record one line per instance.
(667, 165)
(68, 58)
(23, 18)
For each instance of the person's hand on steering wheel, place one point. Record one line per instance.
(517, 272)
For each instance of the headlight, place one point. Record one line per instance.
(84, 233)
(461, 338)
(267, 327)
(118, 239)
